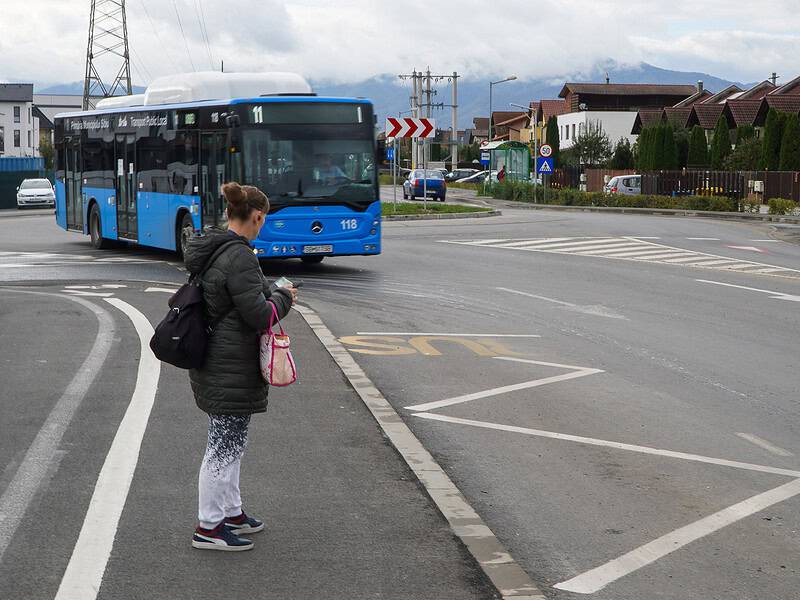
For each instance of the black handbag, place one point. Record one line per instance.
(181, 337)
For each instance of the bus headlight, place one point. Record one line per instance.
(373, 231)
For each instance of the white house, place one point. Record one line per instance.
(616, 125)
(19, 128)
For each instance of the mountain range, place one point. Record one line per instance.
(391, 95)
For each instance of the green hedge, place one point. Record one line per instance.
(780, 206)
(523, 192)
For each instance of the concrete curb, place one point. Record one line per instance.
(664, 212)
(444, 216)
(511, 582)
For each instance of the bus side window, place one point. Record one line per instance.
(152, 170)
(182, 163)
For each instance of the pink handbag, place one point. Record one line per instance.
(277, 364)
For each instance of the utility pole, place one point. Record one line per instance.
(422, 86)
(454, 140)
(108, 41)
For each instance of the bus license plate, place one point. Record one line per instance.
(317, 249)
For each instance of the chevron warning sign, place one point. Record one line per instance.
(410, 128)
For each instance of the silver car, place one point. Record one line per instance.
(626, 185)
(35, 192)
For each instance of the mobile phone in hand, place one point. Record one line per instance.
(283, 283)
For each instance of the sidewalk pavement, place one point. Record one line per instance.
(346, 518)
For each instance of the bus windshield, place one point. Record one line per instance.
(311, 164)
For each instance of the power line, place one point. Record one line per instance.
(183, 34)
(158, 37)
(201, 19)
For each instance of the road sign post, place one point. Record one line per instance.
(416, 129)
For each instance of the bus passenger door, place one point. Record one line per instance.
(72, 184)
(125, 164)
(213, 157)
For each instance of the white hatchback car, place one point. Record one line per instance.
(35, 192)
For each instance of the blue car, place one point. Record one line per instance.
(415, 185)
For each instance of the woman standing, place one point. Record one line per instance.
(229, 386)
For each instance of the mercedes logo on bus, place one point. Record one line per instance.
(316, 227)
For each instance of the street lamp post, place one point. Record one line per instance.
(491, 85)
(529, 110)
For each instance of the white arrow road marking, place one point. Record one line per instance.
(595, 310)
(773, 295)
(576, 373)
(87, 564)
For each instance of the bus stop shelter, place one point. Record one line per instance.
(514, 156)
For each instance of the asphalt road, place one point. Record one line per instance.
(623, 419)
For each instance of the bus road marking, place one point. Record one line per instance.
(599, 577)
(576, 373)
(762, 443)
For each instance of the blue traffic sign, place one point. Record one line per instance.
(486, 157)
(390, 154)
(544, 165)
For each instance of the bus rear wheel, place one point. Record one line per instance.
(96, 230)
(311, 260)
(185, 233)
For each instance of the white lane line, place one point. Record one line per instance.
(768, 241)
(762, 443)
(573, 245)
(621, 250)
(86, 567)
(85, 293)
(610, 444)
(649, 252)
(599, 577)
(594, 310)
(576, 373)
(659, 257)
(464, 335)
(160, 289)
(642, 237)
(42, 455)
(704, 239)
(601, 248)
(774, 295)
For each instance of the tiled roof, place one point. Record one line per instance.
(481, 123)
(706, 115)
(552, 108)
(758, 91)
(721, 97)
(647, 117)
(791, 88)
(679, 117)
(742, 112)
(627, 89)
(16, 92)
(519, 117)
(499, 117)
(694, 99)
(789, 103)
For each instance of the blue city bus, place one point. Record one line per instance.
(149, 169)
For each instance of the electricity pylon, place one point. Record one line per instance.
(107, 51)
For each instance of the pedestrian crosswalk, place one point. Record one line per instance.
(633, 249)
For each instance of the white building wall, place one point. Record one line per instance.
(616, 125)
(28, 128)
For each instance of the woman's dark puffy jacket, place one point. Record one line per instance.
(230, 380)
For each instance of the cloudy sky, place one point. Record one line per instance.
(351, 40)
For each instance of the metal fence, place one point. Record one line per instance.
(739, 184)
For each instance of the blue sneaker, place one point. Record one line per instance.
(219, 538)
(243, 524)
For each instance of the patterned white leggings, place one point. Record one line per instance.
(218, 484)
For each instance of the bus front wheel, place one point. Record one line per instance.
(96, 230)
(185, 233)
(312, 260)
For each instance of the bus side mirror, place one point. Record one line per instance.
(233, 121)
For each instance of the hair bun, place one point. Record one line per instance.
(234, 193)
